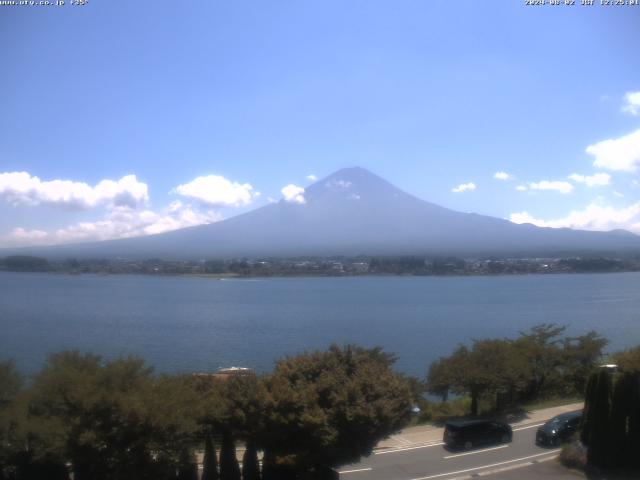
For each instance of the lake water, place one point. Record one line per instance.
(183, 324)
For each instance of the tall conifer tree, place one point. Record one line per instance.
(229, 468)
(210, 463)
(250, 466)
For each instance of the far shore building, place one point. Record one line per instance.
(226, 373)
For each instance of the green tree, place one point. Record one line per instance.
(539, 362)
(490, 367)
(11, 454)
(111, 420)
(586, 423)
(229, 468)
(596, 426)
(187, 467)
(618, 426)
(173, 408)
(633, 420)
(628, 360)
(540, 350)
(10, 383)
(450, 373)
(209, 462)
(250, 466)
(494, 368)
(330, 408)
(235, 406)
(439, 379)
(241, 406)
(579, 356)
(29, 449)
(31, 467)
(10, 387)
(611, 420)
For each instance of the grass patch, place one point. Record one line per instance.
(436, 413)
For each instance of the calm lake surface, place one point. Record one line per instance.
(183, 324)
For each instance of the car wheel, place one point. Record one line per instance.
(506, 438)
(468, 445)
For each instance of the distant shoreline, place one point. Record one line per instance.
(327, 266)
(309, 275)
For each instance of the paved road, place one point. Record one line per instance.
(539, 471)
(426, 462)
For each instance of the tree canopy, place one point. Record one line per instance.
(332, 407)
(116, 420)
(537, 362)
(611, 421)
(110, 419)
(628, 360)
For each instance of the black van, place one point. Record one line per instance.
(470, 433)
(559, 429)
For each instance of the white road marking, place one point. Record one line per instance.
(403, 440)
(476, 451)
(356, 470)
(514, 466)
(404, 449)
(486, 466)
(528, 426)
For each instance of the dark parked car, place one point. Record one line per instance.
(470, 433)
(559, 429)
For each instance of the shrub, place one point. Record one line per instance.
(439, 412)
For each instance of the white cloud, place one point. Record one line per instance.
(20, 188)
(293, 194)
(618, 194)
(558, 186)
(593, 217)
(125, 201)
(503, 176)
(119, 222)
(595, 180)
(463, 187)
(632, 103)
(617, 154)
(525, 217)
(312, 177)
(216, 191)
(521, 188)
(21, 236)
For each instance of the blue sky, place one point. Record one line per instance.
(215, 107)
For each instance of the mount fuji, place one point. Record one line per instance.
(352, 212)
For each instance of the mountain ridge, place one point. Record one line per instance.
(351, 212)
